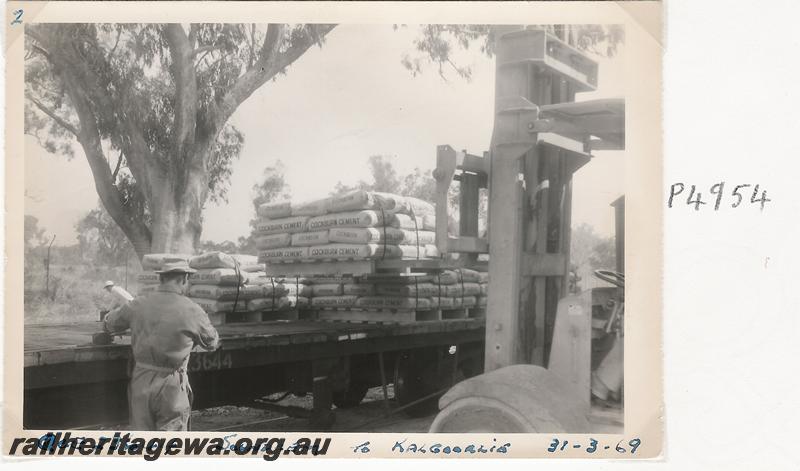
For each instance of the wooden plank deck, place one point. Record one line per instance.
(63, 343)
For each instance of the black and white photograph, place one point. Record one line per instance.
(369, 228)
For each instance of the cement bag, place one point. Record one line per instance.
(404, 221)
(212, 260)
(353, 251)
(366, 235)
(483, 277)
(297, 290)
(424, 251)
(294, 280)
(466, 301)
(362, 199)
(273, 241)
(147, 278)
(390, 202)
(463, 289)
(289, 225)
(218, 276)
(145, 289)
(282, 209)
(481, 301)
(155, 261)
(258, 278)
(212, 306)
(252, 268)
(410, 237)
(244, 259)
(384, 278)
(282, 255)
(442, 303)
(311, 208)
(421, 290)
(323, 280)
(358, 289)
(418, 207)
(276, 304)
(366, 218)
(391, 302)
(449, 277)
(302, 239)
(227, 293)
(484, 289)
(332, 289)
(333, 301)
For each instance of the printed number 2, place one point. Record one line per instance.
(17, 17)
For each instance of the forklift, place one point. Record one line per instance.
(553, 362)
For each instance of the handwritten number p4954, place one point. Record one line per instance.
(695, 197)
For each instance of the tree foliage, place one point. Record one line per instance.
(149, 105)
(591, 251)
(385, 178)
(101, 240)
(437, 44)
(34, 235)
(419, 184)
(272, 187)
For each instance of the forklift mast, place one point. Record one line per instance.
(541, 136)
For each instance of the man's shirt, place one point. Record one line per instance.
(165, 325)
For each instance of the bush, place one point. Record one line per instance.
(76, 292)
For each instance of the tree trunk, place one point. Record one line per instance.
(174, 227)
(177, 212)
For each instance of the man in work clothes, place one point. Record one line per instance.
(118, 297)
(165, 326)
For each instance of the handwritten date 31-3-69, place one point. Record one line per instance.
(593, 445)
(735, 195)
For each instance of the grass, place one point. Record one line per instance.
(75, 292)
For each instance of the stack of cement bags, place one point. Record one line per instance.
(448, 289)
(484, 281)
(148, 280)
(229, 284)
(232, 284)
(360, 225)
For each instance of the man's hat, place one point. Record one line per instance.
(108, 284)
(176, 267)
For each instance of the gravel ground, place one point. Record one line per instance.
(363, 418)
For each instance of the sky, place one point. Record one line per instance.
(336, 106)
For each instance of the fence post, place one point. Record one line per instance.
(47, 268)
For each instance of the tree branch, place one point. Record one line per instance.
(186, 90)
(114, 49)
(83, 86)
(194, 28)
(271, 62)
(201, 49)
(90, 140)
(40, 51)
(116, 169)
(61, 121)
